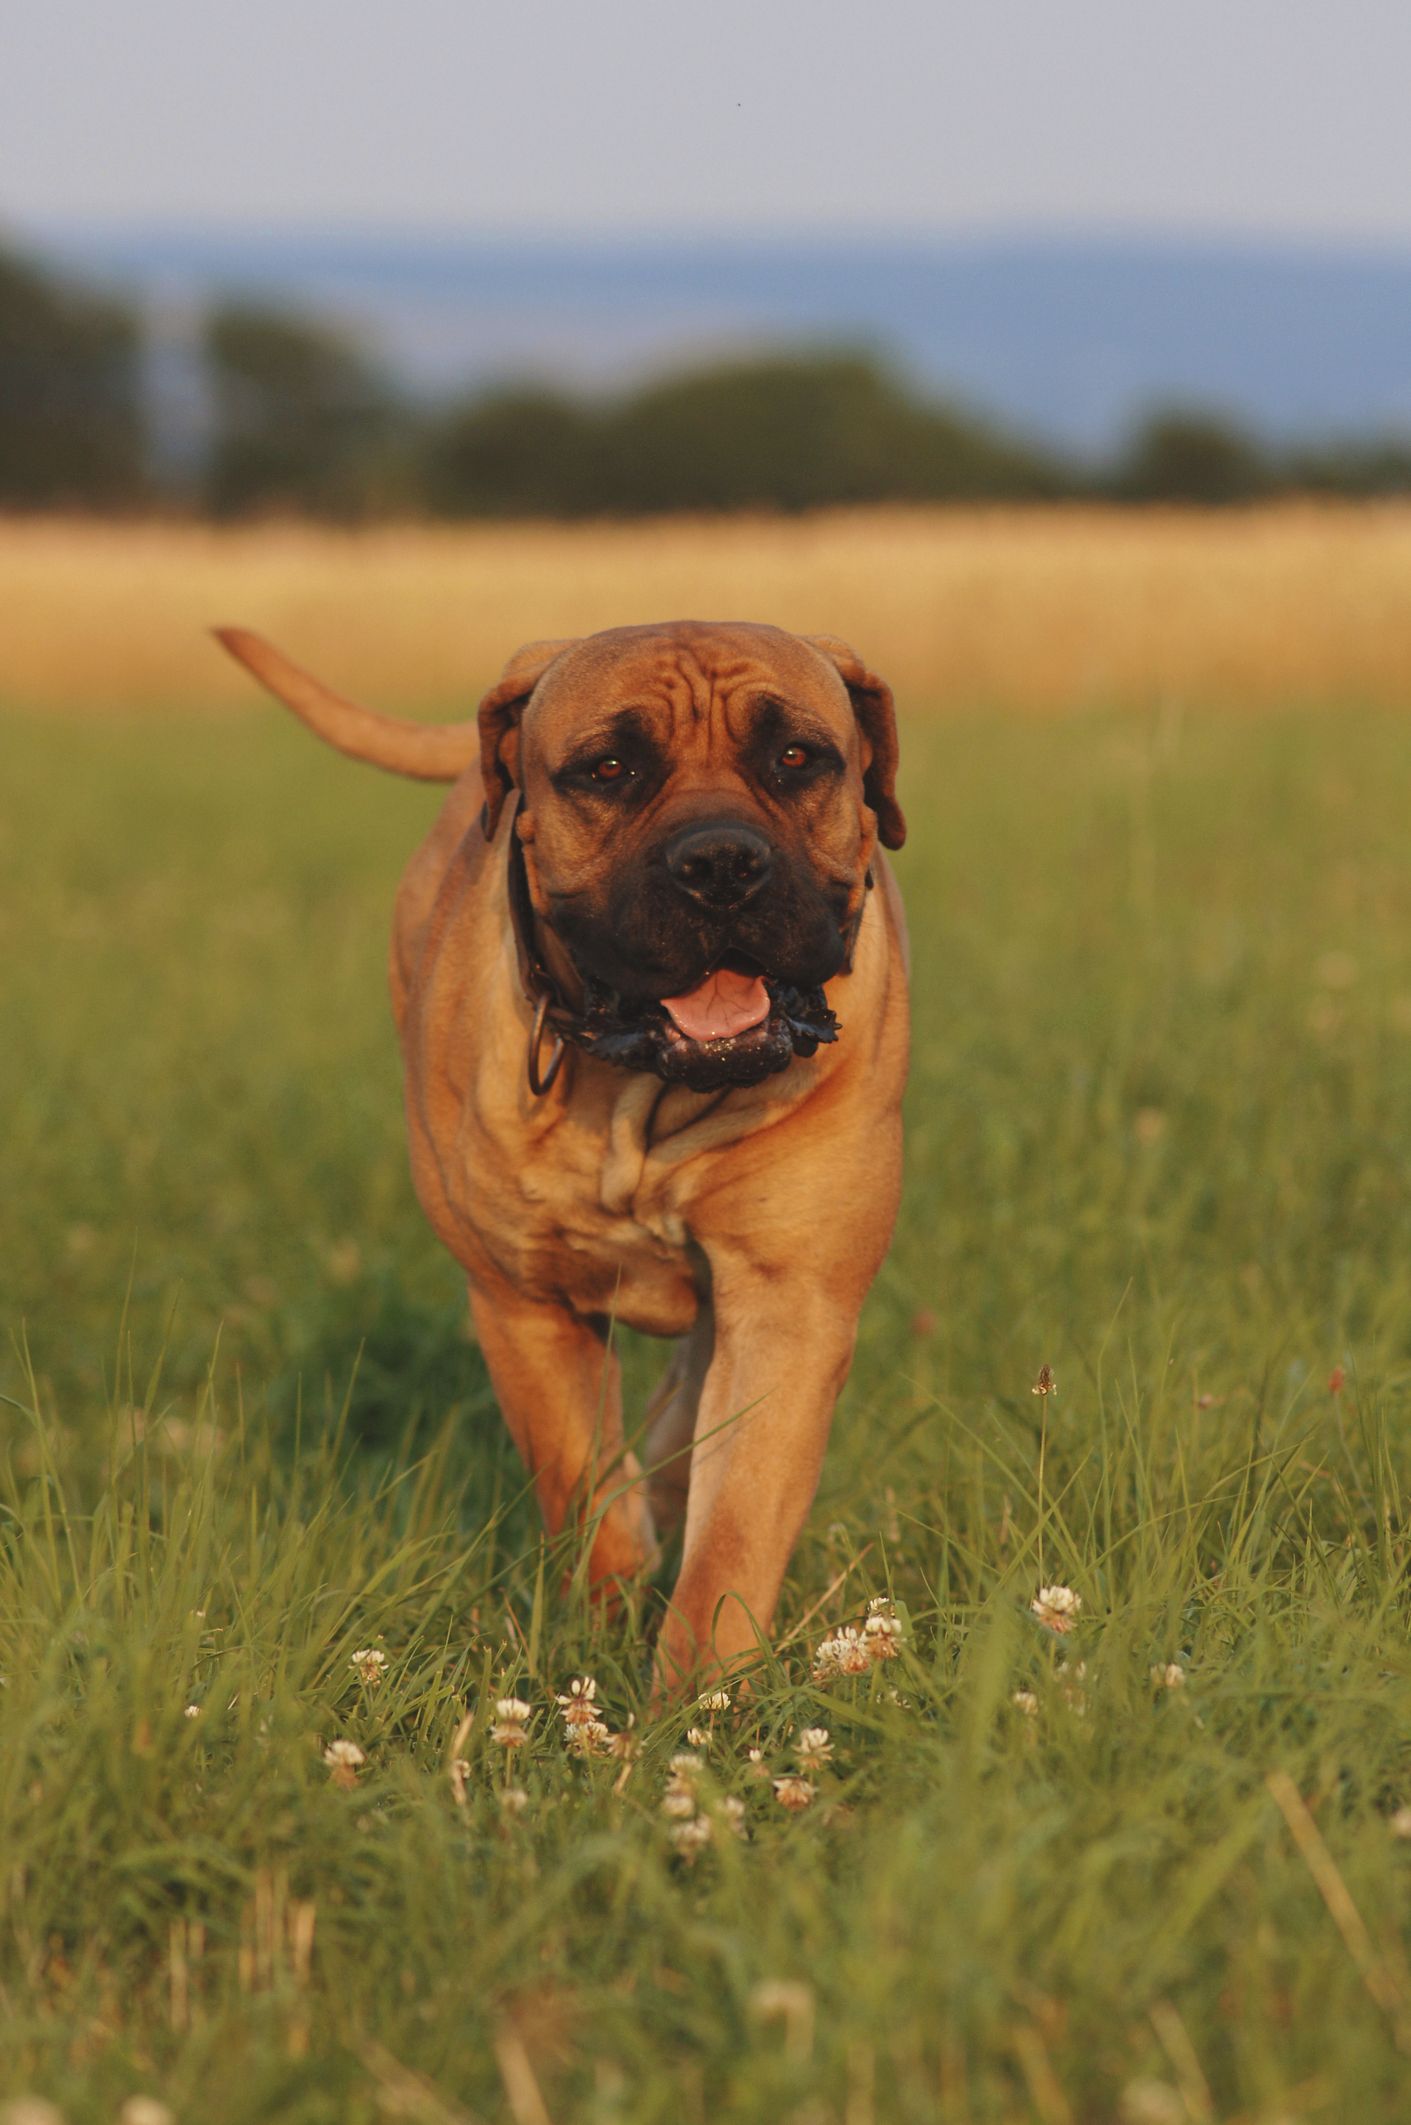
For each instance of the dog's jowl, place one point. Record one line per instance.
(649, 972)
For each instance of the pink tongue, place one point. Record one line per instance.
(724, 1004)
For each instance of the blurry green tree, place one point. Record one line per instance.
(1380, 466)
(523, 451)
(299, 420)
(1182, 454)
(785, 431)
(71, 429)
(302, 421)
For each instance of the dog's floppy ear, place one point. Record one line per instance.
(877, 720)
(500, 712)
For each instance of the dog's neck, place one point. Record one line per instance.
(545, 968)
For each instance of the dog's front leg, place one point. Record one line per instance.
(559, 1388)
(671, 1422)
(781, 1356)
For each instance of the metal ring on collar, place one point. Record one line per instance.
(541, 1081)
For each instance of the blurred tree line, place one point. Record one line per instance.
(300, 421)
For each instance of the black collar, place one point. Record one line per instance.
(551, 1014)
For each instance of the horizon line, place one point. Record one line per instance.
(1006, 234)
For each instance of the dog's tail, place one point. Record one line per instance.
(432, 752)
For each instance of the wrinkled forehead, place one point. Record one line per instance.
(687, 676)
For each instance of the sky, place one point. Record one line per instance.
(1238, 118)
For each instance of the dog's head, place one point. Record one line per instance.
(698, 806)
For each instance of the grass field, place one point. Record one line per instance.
(1043, 609)
(1159, 1140)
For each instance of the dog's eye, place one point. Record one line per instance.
(794, 756)
(610, 770)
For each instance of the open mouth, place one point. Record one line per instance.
(731, 1000)
(736, 1026)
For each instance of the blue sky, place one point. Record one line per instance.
(1238, 117)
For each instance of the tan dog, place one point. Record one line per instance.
(628, 1095)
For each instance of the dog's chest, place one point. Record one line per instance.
(585, 1209)
(622, 1220)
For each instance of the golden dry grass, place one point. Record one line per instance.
(1035, 609)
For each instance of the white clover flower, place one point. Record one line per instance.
(733, 1810)
(511, 1718)
(344, 1759)
(697, 1738)
(1071, 1677)
(577, 1703)
(1151, 2102)
(794, 1791)
(31, 2110)
(1171, 1676)
(692, 1837)
(882, 1635)
(369, 1665)
(590, 1737)
(756, 1766)
(193, 1711)
(1026, 1702)
(844, 1653)
(624, 1745)
(1056, 1607)
(813, 1746)
(714, 1701)
(680, 1797)
(145, 2110)
(513, 1800)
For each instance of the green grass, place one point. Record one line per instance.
(1160, 1139)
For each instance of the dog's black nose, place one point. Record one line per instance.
(721, 864)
